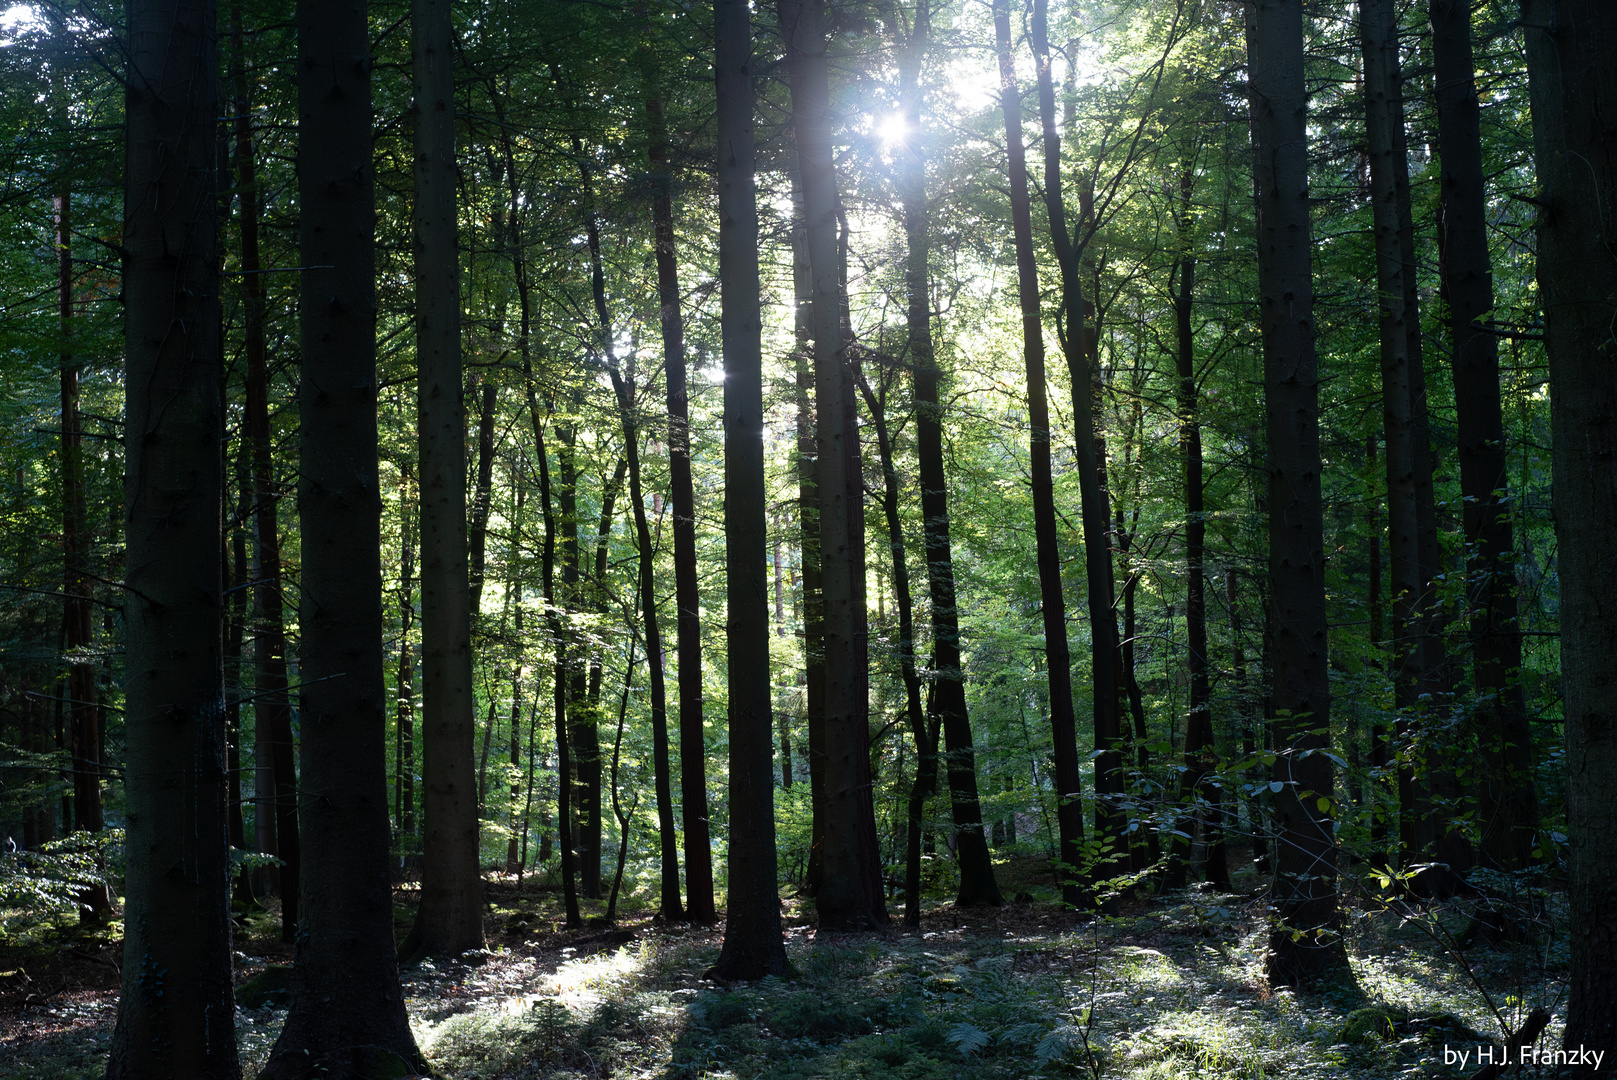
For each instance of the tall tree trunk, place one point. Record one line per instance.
(687, 599)
(1091, 479)
(477, 527)
(404, 702)
(1197, 785)
(1400, 327)
(583, 727)
(272, 707)
(1058, 660)
(672, 910)
(238, 572)
(345, 934)
(977, 884)
(449, 920)
(1306, 943)
(175, 1014)
(1573, 83)
(849, 896)
(1507, 806)
(754, 945)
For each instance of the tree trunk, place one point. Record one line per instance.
(1306, 944)
(583, 727)
(1573, 82)
(671, 909)
(477, 529)
(404, 702)
(1058, 661)
(345, 935)
(687, 599)
(175, 1014)
(1091, 479)
(1507, 806)
(847, 897)
(272, 707)
(754, 945)
(977, 884)
(449, 920)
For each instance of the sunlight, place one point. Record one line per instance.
(14, 19)
(892, 129)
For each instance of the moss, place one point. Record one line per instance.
(1368, 1021)
(272, 986)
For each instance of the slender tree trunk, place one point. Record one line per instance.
(449, 920)
(583, 727)
(977, 884)
(1384, 121)
(687, 599)
(272, 707)
(1091, 480)
(1507, 807)
(1058, 661)
(1306, 943)
(1573, 82)
(754, 945)
(477, 528)
(672, 910)
(847, 897)
(404, 703)
(175, 1014)
(238, 572)
(625, 817)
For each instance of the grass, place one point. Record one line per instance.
(1170, 988)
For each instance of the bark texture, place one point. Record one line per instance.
(1570, 45)
(175, 1013)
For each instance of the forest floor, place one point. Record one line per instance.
(1168, 987)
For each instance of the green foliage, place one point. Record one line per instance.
(46, 884)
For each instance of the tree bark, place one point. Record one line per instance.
(1058, 660)
(1306, 944)
(449, 920)
(977, 884)
(175, 1013)
(687, 598)
(404, 701)
(1507, 807)
(1573, 84)
(345, 934)
(849, 895)
(672, 910)
(477, 529)
(1091, 475)
(754, 945)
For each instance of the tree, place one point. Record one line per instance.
(175, 1012)
(1306, 943)
(754, 945)
(449, 920)
(1057, 658)
(345, 934)
(1570, 44)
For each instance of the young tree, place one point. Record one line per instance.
(1058, 660)
(175, 1013)
(449, 920)
(347, 1016)
(1306, 943)
(1570, 45)
(754, 945)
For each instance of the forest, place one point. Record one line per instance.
(909, 539)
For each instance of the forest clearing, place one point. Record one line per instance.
(713, 538)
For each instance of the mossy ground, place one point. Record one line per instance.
(1170, 987)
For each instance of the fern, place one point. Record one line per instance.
(1060, 1044)
(968, 1038)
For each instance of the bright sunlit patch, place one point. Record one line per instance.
(892, 130)
(579, 983)
(16, 18)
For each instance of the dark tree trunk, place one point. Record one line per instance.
(1507, 807)
(672, 910)
(1058, 661)
(449, 920)
(583, 727)
(1306, 943)
(175, 1014)
(753, 942)
(1197, 783)
(849, 895)
(477, 527)
(345, 932)
(272, 707)
(1091, 463)
(977, 884)
(1570, 45)
(687, 600)
(404, 702)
